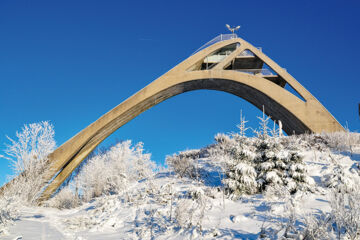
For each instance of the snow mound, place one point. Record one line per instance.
(304, 187)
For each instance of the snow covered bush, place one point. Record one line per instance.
(343, 222)
(342, 141)
(295, 142)
(340, 173)
(311, 141)
(112, 170)
(8, 213)
(184, 163)
(190, 211)
(345, 212)
(28, 157)
(317, 227)
(65, 199)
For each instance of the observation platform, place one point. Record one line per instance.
(246, 61)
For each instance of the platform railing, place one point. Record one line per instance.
(246, 53)
(264, 71)
(220, 38)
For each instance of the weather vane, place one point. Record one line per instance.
(232, 29)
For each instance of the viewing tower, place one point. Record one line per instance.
(226, 63)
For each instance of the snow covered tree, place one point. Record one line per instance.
(263, 131)
(242, 126)
(27, 155)
(276, 165)
(238, 154)
(253, 164)
(31, 147)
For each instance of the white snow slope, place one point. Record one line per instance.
(170, 207)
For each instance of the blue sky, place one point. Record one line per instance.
(70, 62)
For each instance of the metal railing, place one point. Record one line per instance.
(264, 71)
(246, 53)
(220, 38)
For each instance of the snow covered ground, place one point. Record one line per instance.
(168, 206)
(156, 208)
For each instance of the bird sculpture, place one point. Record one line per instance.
(232, 29)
